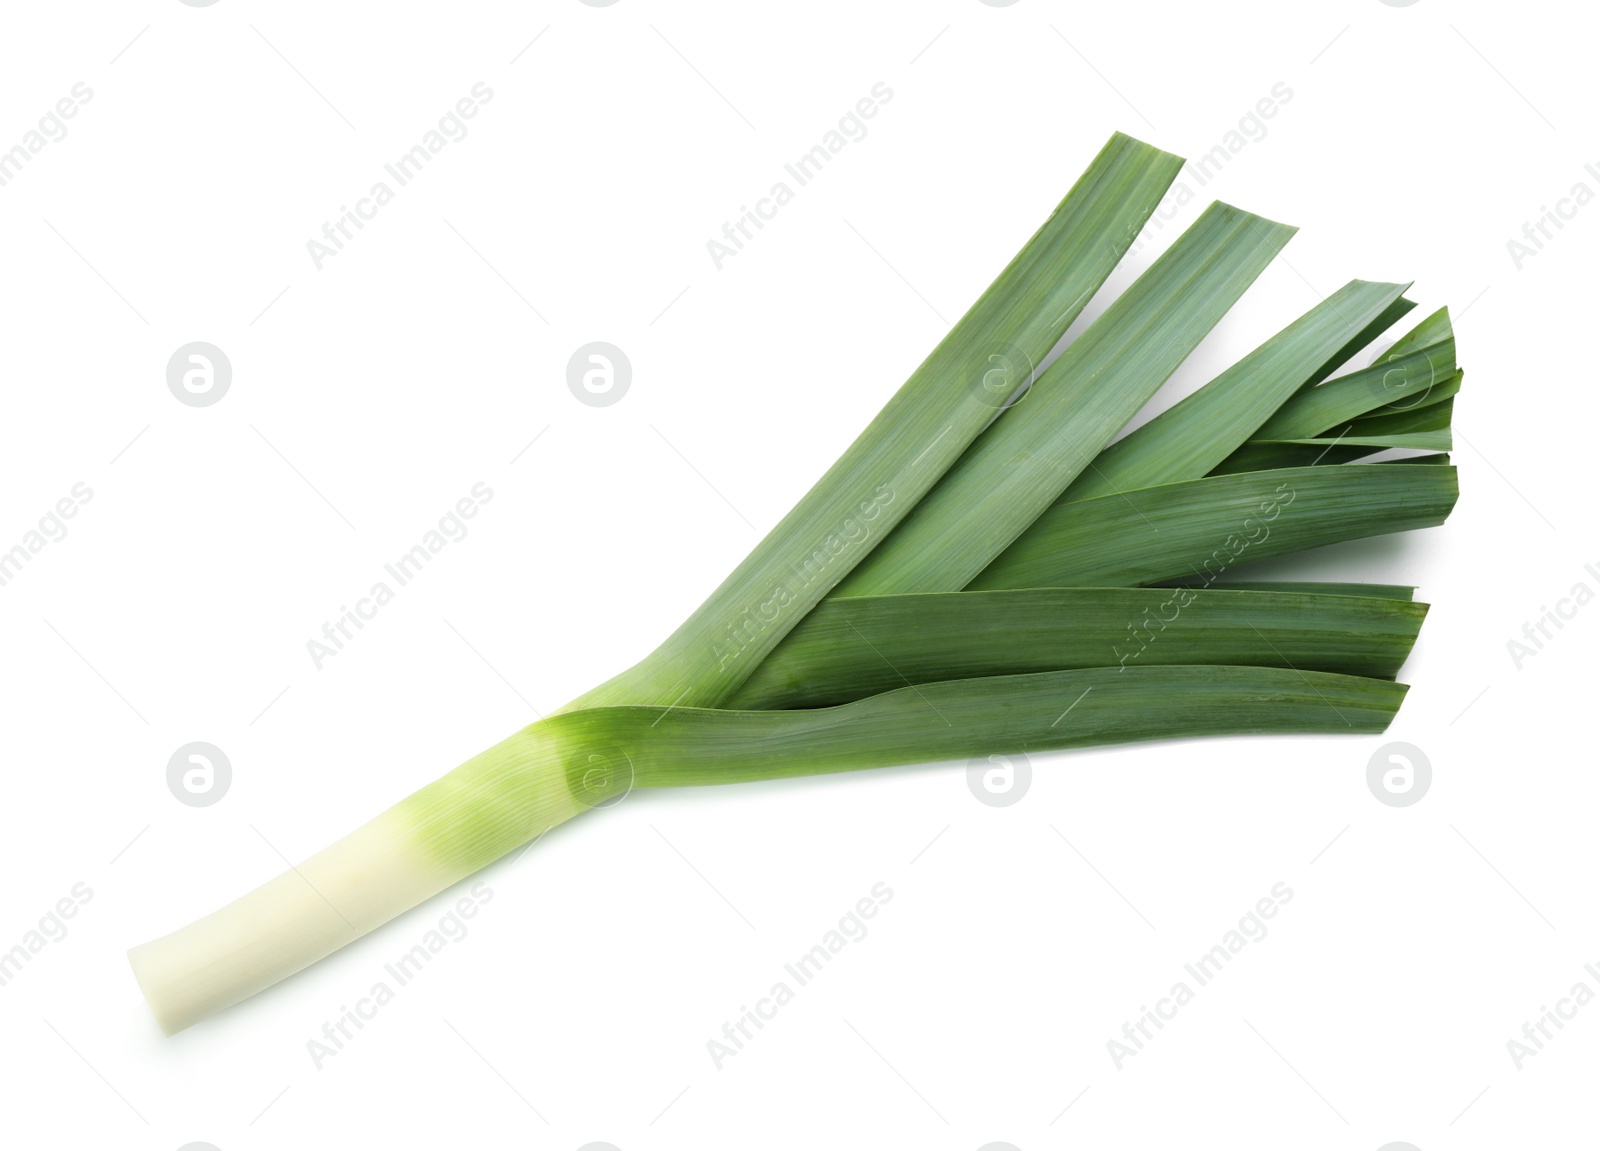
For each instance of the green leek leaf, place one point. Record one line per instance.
(922, 430)
(1198, 432)
(1208, 526)
(1021, 464)
(854, 647)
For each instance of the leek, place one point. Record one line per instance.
(975, 576)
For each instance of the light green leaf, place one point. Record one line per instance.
(1198, 432)
(1021, 464)
(922, 430)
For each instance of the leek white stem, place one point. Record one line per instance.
(509, 794)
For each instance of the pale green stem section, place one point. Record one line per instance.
(513, 792)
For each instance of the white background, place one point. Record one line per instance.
(369, 396)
